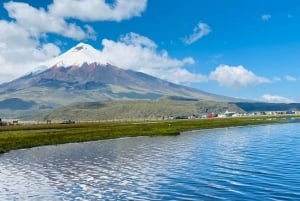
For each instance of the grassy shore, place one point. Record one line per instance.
(26, 136)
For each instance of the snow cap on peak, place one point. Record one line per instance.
(81, 46)
(77, 55)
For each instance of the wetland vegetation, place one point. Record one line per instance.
(26, 136)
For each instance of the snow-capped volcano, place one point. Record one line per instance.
(79, 75)
(76, 56)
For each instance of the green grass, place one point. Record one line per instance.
(17, 137)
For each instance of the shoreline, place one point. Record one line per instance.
(28, 136)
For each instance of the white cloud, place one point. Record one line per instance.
(236, 77)
(26, 17)
(19, 51)
(139, 53)
(200, 31)
(21, 48)
(54, 19)
(290, 78)
(135, 39)
(50, 49)
(177, 75)
(276, 99)
(97, 10)
(266, 17)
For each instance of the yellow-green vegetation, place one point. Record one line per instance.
(134, 110)
(26, 136)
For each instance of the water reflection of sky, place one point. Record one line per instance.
(209, 165)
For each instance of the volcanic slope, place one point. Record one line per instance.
(79, 76)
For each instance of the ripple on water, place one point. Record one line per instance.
(246, 163)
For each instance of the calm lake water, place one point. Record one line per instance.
(244, 163)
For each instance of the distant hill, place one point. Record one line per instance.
(260, 106)
(154, 109)
(135, 109)
(16, 104)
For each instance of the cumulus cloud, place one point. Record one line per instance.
(17, 62)
(26, 17)
(290, 78)
(199, 32)
(97, 10)
(54, 19)
(266, 17)
(181, 76)
(135, 39)
(276, 99)
(236, 77)
(19, 51)
(21, 48)
(140, 53)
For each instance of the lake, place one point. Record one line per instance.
(241, 163)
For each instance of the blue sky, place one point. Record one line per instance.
(248, 49)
